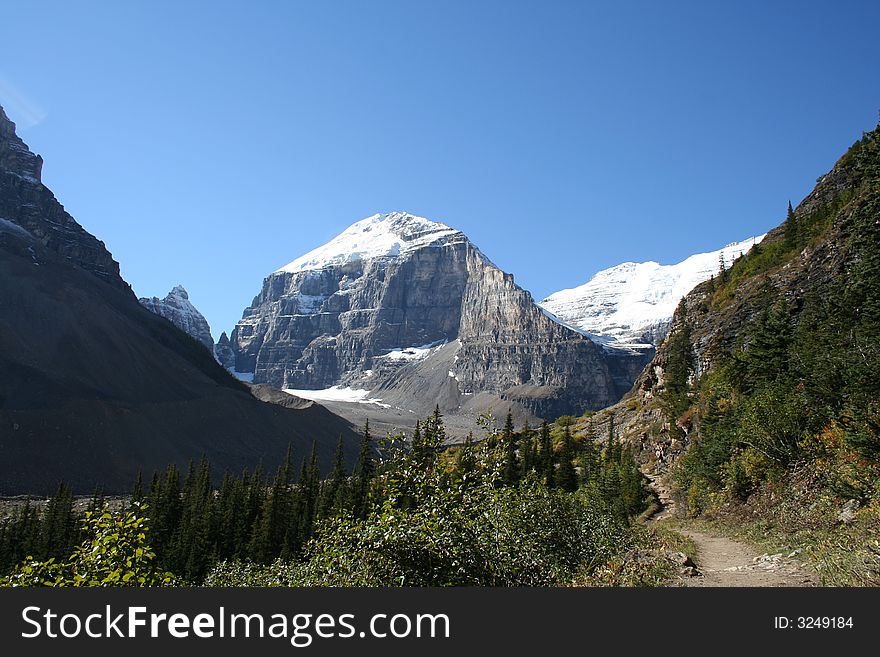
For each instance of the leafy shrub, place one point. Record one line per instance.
(115, 553)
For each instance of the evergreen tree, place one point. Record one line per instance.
(511, 469)
(191, 553)
(767, 355)
(58, 528)
(792, 236)
(566, 475)
(527, 448)
(137, 490)
(333, 492)
(589, 457)
(545, 455)
(722, 269)
(363, 473)
(679, 365)
(274, 531)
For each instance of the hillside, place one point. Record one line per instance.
(761, 407)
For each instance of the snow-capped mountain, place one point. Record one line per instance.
(179, 310)
(379, 236)
(410, 310)
(632, 304)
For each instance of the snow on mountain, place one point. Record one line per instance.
(381, 235)
(179, 310)
(632, 304)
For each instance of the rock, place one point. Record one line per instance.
(177, 308)
(680, 558)
(690, 571)
(224, 353)
(847, 514)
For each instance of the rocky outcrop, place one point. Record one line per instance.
(29, 204)
(179, 310)
(224, 353)
(392, 297)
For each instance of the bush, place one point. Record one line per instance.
(116, 553)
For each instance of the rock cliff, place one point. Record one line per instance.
(28, 203)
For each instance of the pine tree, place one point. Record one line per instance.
(274, 530)
(363, 474)
(137, 490)
(546, 456)
(722, 269)
(566, 475)
(192, 548)
(679, 365)
(791, 228)
(58, 528)
(333, 492)
(589, 457)
(527, 448)
(511, 469)
(767, 354)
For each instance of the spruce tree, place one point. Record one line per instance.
(511, 468)
(363, 474)
(566, 475)
(333, 492)
(546, 456)
(58, 528)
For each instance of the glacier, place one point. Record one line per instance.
(631, 304)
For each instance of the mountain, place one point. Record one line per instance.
(631, 304)
(94, 387)
(177, 308)
(411, 310)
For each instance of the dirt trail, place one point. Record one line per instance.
(723, 561)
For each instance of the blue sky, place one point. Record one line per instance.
(209, 143)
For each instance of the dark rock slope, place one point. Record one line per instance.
(93, 387)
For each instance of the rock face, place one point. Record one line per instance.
(411, 307)
(224, 353)
(94, 387)
(631, 305)
(29, 204)
(177, 308)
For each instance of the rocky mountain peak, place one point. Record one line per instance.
(409, 307)
(28, 204)
(177, 308)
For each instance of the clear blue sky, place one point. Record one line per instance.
(209, 143)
